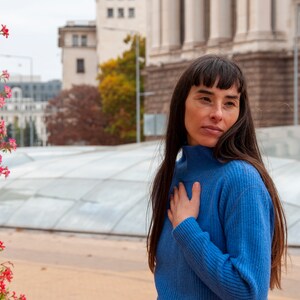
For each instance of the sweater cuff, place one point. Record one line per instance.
(183, 232)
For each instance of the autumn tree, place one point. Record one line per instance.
(118, 90)
(75, 117)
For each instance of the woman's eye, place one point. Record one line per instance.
(205, 99)
(230, 103)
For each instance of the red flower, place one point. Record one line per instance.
(2, 288)
(4, 31)
(2, 247)
(5, 74)
(7, 275)
(12, 143)
(4, 171)
(2, 101)
(7, 91)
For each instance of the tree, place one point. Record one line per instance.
(75, 117)
(118, 90)
(28, 131)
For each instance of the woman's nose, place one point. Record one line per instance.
(216, 113)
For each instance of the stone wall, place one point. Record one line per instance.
(270, 86)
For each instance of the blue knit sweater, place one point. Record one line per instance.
(226, 252)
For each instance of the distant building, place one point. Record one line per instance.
(20, 111)
(86, 44)
(125, 17)
(79, 57)
(35, 88)
(259, 35)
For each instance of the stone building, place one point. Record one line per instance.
(19, 111)
(259, 35)
(86, 44)
(79, 58)
(116, 19)
(34, 87)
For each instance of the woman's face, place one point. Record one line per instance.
(209, 113)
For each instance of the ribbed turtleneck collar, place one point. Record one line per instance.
(195, 159)
(196, 152)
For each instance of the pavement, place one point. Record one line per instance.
(65, 266)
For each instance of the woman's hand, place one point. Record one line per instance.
(181, 207)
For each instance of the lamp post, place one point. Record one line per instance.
(31, 94)
(137, 78)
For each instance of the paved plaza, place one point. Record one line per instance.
(51, 266)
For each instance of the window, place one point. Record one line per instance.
(120, 12)
(15, 94)
(131, 13)
(74, 40)
(80, 65)
(110, 12)
(83, 40)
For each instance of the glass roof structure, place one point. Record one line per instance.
(105, 189)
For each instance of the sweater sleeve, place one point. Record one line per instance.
(243, 272)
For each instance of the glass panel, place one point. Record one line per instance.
(108, 204)
(7, 209)
(72, 189)
(40, 212)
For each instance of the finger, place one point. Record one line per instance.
(196, 190)
(175, 194)
(172, 202)
(182, 191)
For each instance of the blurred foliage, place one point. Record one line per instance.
(75, 117)
(14, 131)
(118, 90)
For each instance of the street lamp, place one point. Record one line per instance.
(137, 78)
(31, 94)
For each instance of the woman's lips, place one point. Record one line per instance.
(212, 130)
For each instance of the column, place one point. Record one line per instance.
(281, 17)
(241, 20)
(260, 20)
(155, 24)
(194, 27)
(170, 24)
(220, 21)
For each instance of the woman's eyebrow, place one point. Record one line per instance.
(233, 97)
(205, 92)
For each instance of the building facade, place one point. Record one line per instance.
(20, 112)
(259, 35)
(86, 44)
(116, 19)
(35, 88)
(78, 41)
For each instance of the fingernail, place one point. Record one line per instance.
(196, 185)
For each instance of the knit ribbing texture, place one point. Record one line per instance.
(226, 252)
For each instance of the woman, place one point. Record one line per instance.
(218, 230)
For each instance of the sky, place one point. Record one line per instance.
(33, 27)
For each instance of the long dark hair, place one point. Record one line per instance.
(239, 142)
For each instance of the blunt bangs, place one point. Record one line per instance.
(208, 70)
